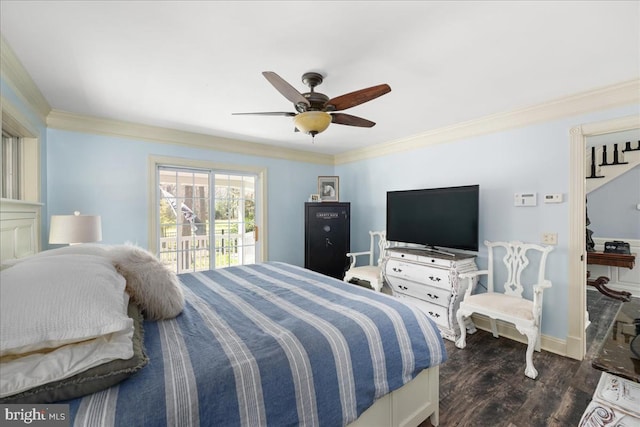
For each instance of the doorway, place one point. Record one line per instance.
(577, 290)
(206, 215)
(207, 218)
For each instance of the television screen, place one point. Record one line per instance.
(443, 217)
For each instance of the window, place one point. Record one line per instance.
(20, 182)
(10, 159)
(235, 225)
(19, 157)
(206, 217)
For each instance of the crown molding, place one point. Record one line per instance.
(15, 122)
(619, 124)
(617, 95)
(73, 122)
(16, 76)
(599, 99)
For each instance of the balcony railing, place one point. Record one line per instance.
(192, 253)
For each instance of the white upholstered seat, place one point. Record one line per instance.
(509, 304)
(371, 273)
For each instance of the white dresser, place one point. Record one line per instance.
(430, 281)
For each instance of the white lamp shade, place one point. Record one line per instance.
(75, 229)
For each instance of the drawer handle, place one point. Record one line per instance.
(434, 314)
(433, 296)
(434, 279)
(404, 288)
(397, 270)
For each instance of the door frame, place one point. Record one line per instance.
(577, 289)
(261, 196)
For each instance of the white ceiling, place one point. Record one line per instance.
(189, 65)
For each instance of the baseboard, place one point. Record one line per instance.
(508, 330)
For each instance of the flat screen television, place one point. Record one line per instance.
(435, 217)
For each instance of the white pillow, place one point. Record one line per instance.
(80, 249)
(46, 302)
(24, 373)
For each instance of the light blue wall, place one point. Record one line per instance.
(612, 207)
(40, 127)
(104, 175)
(529, 159)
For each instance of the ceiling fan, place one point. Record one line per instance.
(315, 110)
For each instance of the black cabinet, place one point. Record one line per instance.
(327, 237)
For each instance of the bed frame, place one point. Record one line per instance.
(407, 406)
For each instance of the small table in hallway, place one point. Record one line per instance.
(612, 260)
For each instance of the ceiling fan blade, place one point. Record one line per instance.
(358, 97)
(285, 88)
(271, 113)
(348, 119)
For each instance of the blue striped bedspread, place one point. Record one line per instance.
(269, 344)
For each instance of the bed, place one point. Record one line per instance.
(266, 344)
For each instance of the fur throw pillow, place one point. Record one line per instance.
(151, 285)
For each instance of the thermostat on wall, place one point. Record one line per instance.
(553, 198)
(525, 199)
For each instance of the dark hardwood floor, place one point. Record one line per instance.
(484, 384)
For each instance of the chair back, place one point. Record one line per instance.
(515, 261)
(381, 245)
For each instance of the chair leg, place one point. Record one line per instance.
(461, 342)
(532, 337)
(494, 327)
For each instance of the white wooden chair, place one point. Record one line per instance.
(372, 273)
(509, 305)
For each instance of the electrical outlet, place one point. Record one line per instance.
(550, 238)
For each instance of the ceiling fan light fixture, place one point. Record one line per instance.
(312, 122)
(313, 107)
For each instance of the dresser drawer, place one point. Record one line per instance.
(437, 277)
(437, 313)
(421, 257)
(427, 293)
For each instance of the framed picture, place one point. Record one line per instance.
(314, 198)
(329, 188)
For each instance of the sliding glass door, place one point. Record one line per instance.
(206, 218)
